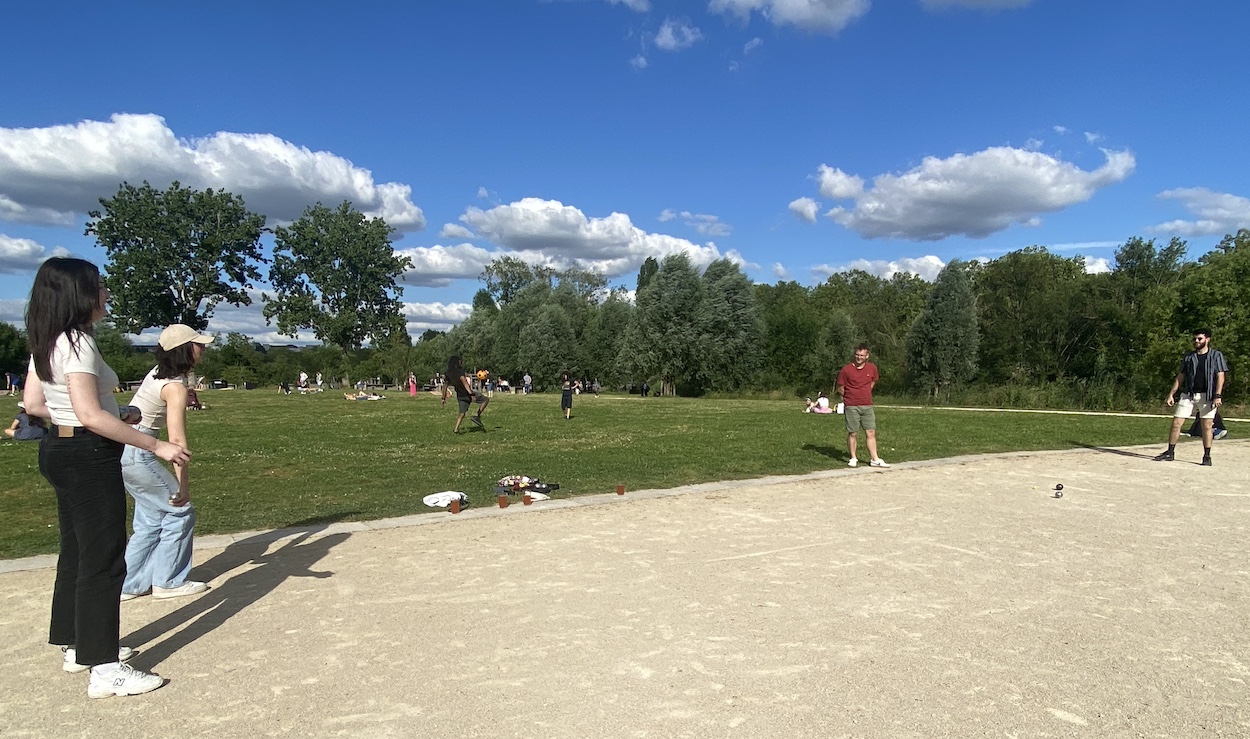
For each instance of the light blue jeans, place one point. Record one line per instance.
(159, 552)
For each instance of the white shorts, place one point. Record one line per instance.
(1188, 403)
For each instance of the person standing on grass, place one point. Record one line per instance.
(465, 397)
(1202, 373)
(70, 384)
(566, 395)
(412, 385)
(855, 383)
(158, 557)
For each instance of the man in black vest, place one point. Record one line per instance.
(1202, 373)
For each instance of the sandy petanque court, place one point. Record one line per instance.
(940, 599)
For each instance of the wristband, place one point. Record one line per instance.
(1217, 396)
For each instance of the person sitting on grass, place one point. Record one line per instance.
(819, 405)
(26, 427)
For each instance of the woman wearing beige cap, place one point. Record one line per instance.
(158, 557)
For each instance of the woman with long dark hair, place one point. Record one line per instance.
(158, 557)
(70, 384)
(456, 380)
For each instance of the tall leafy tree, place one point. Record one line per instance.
(13, 351)
(506, 276)
(942, 346)
(665, 338)
(546, 345)
(335, 272)
(731, 328)
(174, 255)
(646, 272)
(1216, 295)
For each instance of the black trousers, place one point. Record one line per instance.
(86, 472)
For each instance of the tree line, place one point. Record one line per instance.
(1030, 328)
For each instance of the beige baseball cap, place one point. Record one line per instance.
(179, 334)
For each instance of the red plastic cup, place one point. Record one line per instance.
(620, 489)
(503, 501)
(455, 505)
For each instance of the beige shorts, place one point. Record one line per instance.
(1201, 402)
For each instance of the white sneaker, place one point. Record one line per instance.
(878, 462)
(190, 587)
(125, 680)
(853, 463)
(70, 664)
(132, 596)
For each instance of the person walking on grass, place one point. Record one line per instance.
(566, 395)
(158, 557)
(70, 384)
(1201, 377)
(465, 397)
(855, 383)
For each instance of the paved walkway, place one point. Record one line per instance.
(949, 598)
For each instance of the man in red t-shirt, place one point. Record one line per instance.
(855, 383)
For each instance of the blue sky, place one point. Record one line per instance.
(798, 137)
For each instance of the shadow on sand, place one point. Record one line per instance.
(1108, 450)
(295, 558)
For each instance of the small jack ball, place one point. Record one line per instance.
(1058, 493)
(1059, 486)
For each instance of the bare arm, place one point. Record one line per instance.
(175, 396)
(85, 400)
(1217, 398)
(33, 397)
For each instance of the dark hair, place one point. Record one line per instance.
(862, 347)
(454, 366)
(564, 376)
(1204, 331)
(176, 362)
(63, 300)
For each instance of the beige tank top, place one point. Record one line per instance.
(148, 399)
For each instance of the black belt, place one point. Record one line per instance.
(65, 432)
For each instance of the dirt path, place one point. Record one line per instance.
(934, 599)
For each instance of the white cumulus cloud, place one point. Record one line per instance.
(24, 255)
(1217, 212)
(973, 195)
(50, 175)
(562, 236)
(438, 266)
(805, 208)
(836, 184)
(675, 35)
(819, 16)
(1097, 265)
(926, 267)
(437, 316)
(780, 271)
(455, 231)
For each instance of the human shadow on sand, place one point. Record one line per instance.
(1109, 450)
(204, 613)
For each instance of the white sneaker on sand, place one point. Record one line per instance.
(132, 596)
(70, 664)
(125, 680)
(853, 463)
(878, 462)
(190, 587)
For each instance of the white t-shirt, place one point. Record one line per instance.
(65, 360)
(822, 402)
(148, 399)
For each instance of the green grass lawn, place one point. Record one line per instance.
(264, 460)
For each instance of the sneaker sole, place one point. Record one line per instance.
(112, 692)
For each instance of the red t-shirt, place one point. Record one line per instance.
(857, 383)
